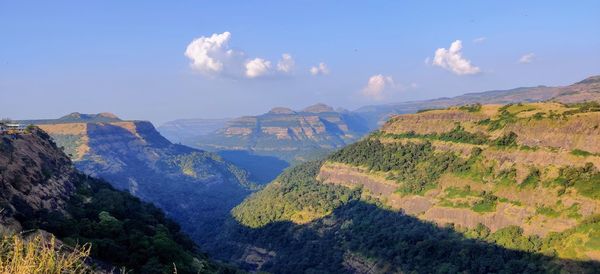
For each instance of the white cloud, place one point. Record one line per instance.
(286, 63)
(212, 56)
(452, 60)
(377, 85)
(319, 69)
(527, 58)
(479, 40)
(257, 67)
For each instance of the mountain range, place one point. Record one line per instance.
(477, 188)
(283, 136)
(42, 193)
(502, 181)
(195, 187)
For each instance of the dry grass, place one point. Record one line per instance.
(40, 255)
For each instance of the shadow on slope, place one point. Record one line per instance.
(361, 237)
(194, 187)
(262, 169)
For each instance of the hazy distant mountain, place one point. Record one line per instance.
(588, 89)
(181, 130)
(195, 187)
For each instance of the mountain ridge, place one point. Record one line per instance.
(195, 187)
(42, 191)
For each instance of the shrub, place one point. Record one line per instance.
(39, 255)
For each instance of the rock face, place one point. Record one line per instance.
(287, 134)
(41, 192)
(195, 187)
(34, 175)
(523, 176)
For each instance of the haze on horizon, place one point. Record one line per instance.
(161, 61)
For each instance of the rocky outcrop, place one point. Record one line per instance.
(194, 187)
(35, 176)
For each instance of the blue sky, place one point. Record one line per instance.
(129, 57)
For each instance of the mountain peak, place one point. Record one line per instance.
(81, 117)
(281, 110)
(318, 108)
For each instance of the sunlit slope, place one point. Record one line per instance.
(523, 176)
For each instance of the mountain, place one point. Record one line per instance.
(41, 190)
(182, 130)
(194, 187)
(478, 188)
(282, 135)
(586, 90)
(285, 136)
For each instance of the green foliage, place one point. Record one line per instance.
(392, 242)
(506, 117)
(486, 204)
(585, 179)
(457, 134)
(589, 106)
(582, 153)
(471, 107)
(295, 190)
(122, 230)
(416, 166)
(512, 237)
(547, 211)
(506, 140)
(533, 179)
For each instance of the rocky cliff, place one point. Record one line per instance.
(533, 166)
(35, 176)
(195, 187)
(40, 190)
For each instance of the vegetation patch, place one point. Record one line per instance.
(582, 153)
(471, 107)
(416, 167)
(41, 256)
(458, 135)
(586, 180)
(486, 204)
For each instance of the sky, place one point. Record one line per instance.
(164, 60)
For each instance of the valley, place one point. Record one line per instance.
(194, 187)
(495, 173)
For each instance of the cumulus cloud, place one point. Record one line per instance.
(377, 85)
(286, 63)
(211, 55)
(257, 67)
(319, 69)
(479, 39)
(527, 58)
(452, 60)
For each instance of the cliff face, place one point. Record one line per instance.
(40, 190)
(195, 187)
(533, 166)
(287, 134)
(35, 175)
